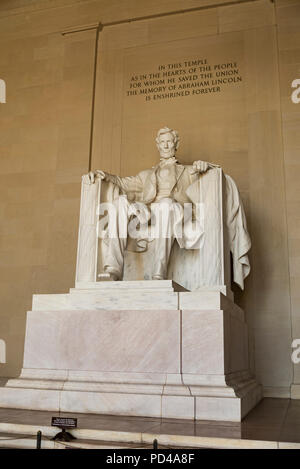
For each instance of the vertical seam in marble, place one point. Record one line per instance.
(226, 356)
(62, 390)
(162, 395)
(180, 344)
(95, 69)
(180, 353)
(284, 420)
(122, 114)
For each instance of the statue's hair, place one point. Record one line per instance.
(166, 130)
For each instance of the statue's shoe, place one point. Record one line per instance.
(109, 274)
(107, 277)
(157, 277)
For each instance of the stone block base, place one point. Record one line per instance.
(186, 359)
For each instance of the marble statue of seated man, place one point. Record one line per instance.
(169, 184)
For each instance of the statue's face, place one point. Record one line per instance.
(166, 145)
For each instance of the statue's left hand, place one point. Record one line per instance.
(202, 166)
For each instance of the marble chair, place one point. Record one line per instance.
(194, 269)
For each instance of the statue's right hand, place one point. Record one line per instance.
(90, 177)
(100, 174)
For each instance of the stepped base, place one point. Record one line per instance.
(105, 351)
(134, 295)
(215, 399)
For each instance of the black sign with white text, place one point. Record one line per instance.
(63, 422)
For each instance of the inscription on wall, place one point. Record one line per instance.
(186, 78)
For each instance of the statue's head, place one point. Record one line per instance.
(167, 142)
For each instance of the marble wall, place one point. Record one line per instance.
(288, 14)
(44, 148)
(49, 135)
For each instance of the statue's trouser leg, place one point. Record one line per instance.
(117, 240)
(161, 257)
(164, 238)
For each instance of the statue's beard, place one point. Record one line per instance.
(167, 154)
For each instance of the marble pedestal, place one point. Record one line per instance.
(145, 348)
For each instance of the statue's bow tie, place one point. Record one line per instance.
(170, 161)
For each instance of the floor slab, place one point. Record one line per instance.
(274, 423)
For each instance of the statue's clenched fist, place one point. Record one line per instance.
(100, 174)
(92, 175)
(202, 166)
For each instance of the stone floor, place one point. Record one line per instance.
(272, 421)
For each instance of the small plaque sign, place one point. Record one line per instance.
(64, 422)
